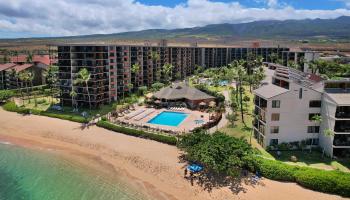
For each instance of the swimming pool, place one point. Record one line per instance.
(168, 118)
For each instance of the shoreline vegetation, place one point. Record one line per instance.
(334, 182)
(152, 167)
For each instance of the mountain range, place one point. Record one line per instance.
(337, 29)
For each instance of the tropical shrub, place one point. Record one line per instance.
(5, 95)
(219, 97)
(11, 106)
(335, 182)
(138, 133)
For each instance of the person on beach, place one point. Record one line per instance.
(185, 174)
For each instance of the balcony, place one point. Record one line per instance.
(341, 140)
(343, 112)
(260, 102)
(342, 126)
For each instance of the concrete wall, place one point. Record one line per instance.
(329, 108)
(294, 115)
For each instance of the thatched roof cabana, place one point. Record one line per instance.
(181, 91)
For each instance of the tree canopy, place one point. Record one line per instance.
(218, 152)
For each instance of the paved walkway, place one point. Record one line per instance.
(224, 121)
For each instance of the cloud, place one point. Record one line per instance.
(347, 2)
(81, 17)
(272, 3)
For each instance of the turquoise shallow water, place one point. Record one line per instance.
(40, 175)
(168, 118)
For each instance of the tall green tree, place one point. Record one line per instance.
(51, 76)
(24, 78)
(30, 78)
(135, 70)
(83, 77)
(73, 94)
(241, 75)
(218, 152)
(29, 57)
(168, 72)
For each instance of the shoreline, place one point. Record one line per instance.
(149, 167)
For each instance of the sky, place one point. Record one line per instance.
(46, 18)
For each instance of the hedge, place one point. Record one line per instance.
(335, 182)
(11, 106)
(138, 133)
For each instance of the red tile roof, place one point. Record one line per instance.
(20, 68)
(315, 77)
(19, 59)
(6, 66)
(45, 59)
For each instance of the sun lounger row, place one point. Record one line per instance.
(177, 109)
(138, 118)
(132, 115)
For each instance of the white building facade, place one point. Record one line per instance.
(285, 110)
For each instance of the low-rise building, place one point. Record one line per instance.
(297, 106)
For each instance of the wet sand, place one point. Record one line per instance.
(152, 168)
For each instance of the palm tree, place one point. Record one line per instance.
(15, 75)
(23, 77)
(313, 66)
(51, 78)
(258, 76)
(168, 72)
(84, 76)
(327, 133)
(73, 94)
(234, 73)
(135, 69)
(30, 78)
(273, 57)
(155, 57)
(29, 57)
(241, 75)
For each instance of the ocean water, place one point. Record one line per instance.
(27, 174)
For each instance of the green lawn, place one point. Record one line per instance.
(312, 159)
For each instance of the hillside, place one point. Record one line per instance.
(317, 29)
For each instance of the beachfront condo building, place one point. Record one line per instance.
(113, 74)
(296, 106)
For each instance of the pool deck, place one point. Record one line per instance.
(186, 125)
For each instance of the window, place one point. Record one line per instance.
(273, 142)
(275, 117)
(276, 104)
(111, 60)
(315, 104)
(300, 93)
(274, 129)
(311, 115)
(313, 129)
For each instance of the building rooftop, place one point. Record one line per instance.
(340, 98)
(20, 68)
(181, 91)
(45, 59)
(269, 91)
(305, 79)
(6, 66)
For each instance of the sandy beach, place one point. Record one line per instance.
(151, 167)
